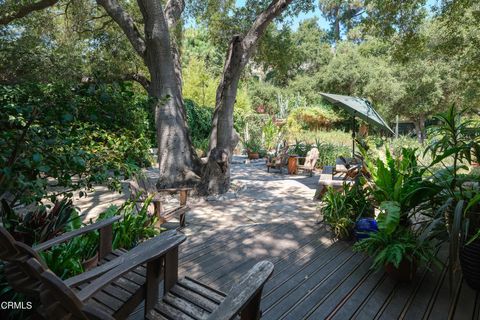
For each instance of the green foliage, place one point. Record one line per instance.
(52, 133)
(134, 226)
(342, 208)
(313, 118)
(394, 247)
(199, 120)
(456, 206)
(272, 135)
(393, 242)
(329, 153)
(66, 259)
(39, 224)
(200, 85)
(399, 179)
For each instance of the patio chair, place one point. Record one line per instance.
(309, 161)
(280, 161)
(141, 188)
(104, 292)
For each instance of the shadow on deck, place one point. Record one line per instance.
(316, 278)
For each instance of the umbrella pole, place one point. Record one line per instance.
(353, 137)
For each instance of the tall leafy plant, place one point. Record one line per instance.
(455, 140)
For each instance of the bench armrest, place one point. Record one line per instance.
(143, 253)
(244, 292)
(75, 233)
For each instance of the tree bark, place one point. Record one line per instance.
(177, 160)
(176, 157)
(420, 128)
(223, 138)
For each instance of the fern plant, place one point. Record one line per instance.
(393, 243)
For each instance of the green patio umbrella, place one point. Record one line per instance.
(357, 107)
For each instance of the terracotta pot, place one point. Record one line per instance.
(404, 273)
(90, 263)
(292, 164)
(253, 155)
(470, 263)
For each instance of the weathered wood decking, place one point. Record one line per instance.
(316, 278)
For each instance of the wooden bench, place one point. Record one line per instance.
(134, 276)
(22, 277)
(142, 188)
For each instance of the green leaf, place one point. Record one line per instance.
(389, 219)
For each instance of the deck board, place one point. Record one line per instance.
(318, 278)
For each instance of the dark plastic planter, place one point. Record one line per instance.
(404, 273)
(470, 263)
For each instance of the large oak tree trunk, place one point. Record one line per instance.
(176, 158)
(223, 138)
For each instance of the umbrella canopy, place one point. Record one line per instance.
(358, 108)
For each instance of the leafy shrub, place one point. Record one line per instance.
(342, 208)
(393, 248)
(272, 135)
(328, 153)
(134, 226)
(52, 133)
(199, 120)
(313, 118)
(39, 225)
(394, 243)
(66, 259)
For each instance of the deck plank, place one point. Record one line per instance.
(315, 277)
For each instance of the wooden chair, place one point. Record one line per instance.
(280, 161)
(310, 161)
(77, 297)
(128, 287)
(142, 188)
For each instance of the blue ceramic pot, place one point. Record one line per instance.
(364, 226)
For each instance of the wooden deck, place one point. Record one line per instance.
(316, 278)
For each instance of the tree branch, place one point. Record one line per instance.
(25, 10)
(126, 23)
(140, 78)
(261, 23)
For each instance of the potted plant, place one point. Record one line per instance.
(457, 143)
(343, 208)
(467, 226)
(253, 149)
(395, 248)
